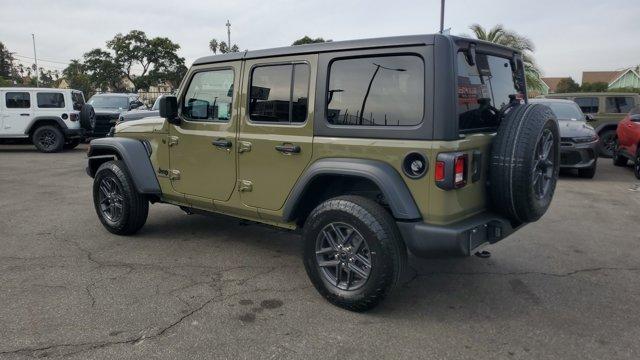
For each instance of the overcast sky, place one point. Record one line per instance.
(570, 35)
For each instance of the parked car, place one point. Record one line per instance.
(141, 113)
(629, 141)
(108, 107)
(51, 119)
(607, 109)
(578, 140)
(369, 147)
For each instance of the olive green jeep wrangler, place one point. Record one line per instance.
(371, 148)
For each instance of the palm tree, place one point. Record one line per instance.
(213, 46)
(499, 35)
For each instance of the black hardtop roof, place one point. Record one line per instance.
(406, 40)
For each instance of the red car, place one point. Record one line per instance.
(629, 141)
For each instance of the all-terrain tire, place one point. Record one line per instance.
(385, 248)
(48, 139)
(87, 117)
(71, 144)
(516, 170)
(112, 185)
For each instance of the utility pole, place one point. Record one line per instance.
(35, 57)
(441, 16)
(228, 25)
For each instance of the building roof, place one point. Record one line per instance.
(552, 82)
(601, 76)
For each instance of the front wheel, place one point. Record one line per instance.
(353, 252)
(120, 208)
(608, 143)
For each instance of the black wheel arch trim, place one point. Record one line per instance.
(38, 119)
(613, 125)
(133, 153)
(382, 174)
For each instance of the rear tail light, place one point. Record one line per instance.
(73, 117)
(460, 171)
(451, 170)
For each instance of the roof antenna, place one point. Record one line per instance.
(442, 16)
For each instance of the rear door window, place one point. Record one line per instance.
(483, 89)
(619, 104)
(588, 105)
(279, 93)
(17, 100)
(48, 100)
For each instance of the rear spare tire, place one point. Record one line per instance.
(87, 117)
(525, 162)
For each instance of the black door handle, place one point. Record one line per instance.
(288, 149)
(24, 114)
(222, 143)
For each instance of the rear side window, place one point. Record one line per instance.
(209, 96)
(279, 93)
(588, 105)
(17, 100)
(619, 104)
(50, 100)
(376, 91)
(483, 89)
(78, 100)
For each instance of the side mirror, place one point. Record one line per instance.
(169, 109)
(589, 117)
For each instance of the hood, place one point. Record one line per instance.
(108, 111)
(150, 124)
(134, 115)
(575, 128)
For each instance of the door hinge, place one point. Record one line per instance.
(173, 140)
(244, 146)
(245, 185)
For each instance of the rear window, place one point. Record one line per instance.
(619, 104)
(50, 100)
(483, 89)
(78, 100)
(376, 91)
(588, 105)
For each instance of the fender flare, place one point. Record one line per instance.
(135, 156)
(38, 119)
(382, 174)
(601, 127)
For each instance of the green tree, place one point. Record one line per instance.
(594, 87)
(103, 70)
(308, 40)
(221, 46)
(499, 35)
(567, 85)
(77, 78)
(6, 62)
(142, 60)
(213, 46)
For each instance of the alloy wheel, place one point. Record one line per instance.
(111, 199)
(47, 139)
(609, 143)
(543, 167)
(343, 255)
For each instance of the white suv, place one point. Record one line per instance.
(52, 119)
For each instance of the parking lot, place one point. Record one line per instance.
(566, 287)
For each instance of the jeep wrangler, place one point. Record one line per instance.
(371, 148)
(52, 119)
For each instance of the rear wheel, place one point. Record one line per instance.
(353, 252)
(48, 139)
(120, 208)
(608, 143)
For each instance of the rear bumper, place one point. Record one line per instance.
(578, 156)
(459, 238)
(74, 133)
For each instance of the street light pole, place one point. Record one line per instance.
(228, 25)
(441, 16)
(35, 57)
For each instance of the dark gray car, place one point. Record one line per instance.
(578, 140)
(140, 113)
(108, 107)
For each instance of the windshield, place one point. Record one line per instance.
(565, 111)
(483, 89)
(110, 102)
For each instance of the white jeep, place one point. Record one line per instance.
(52, 119)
